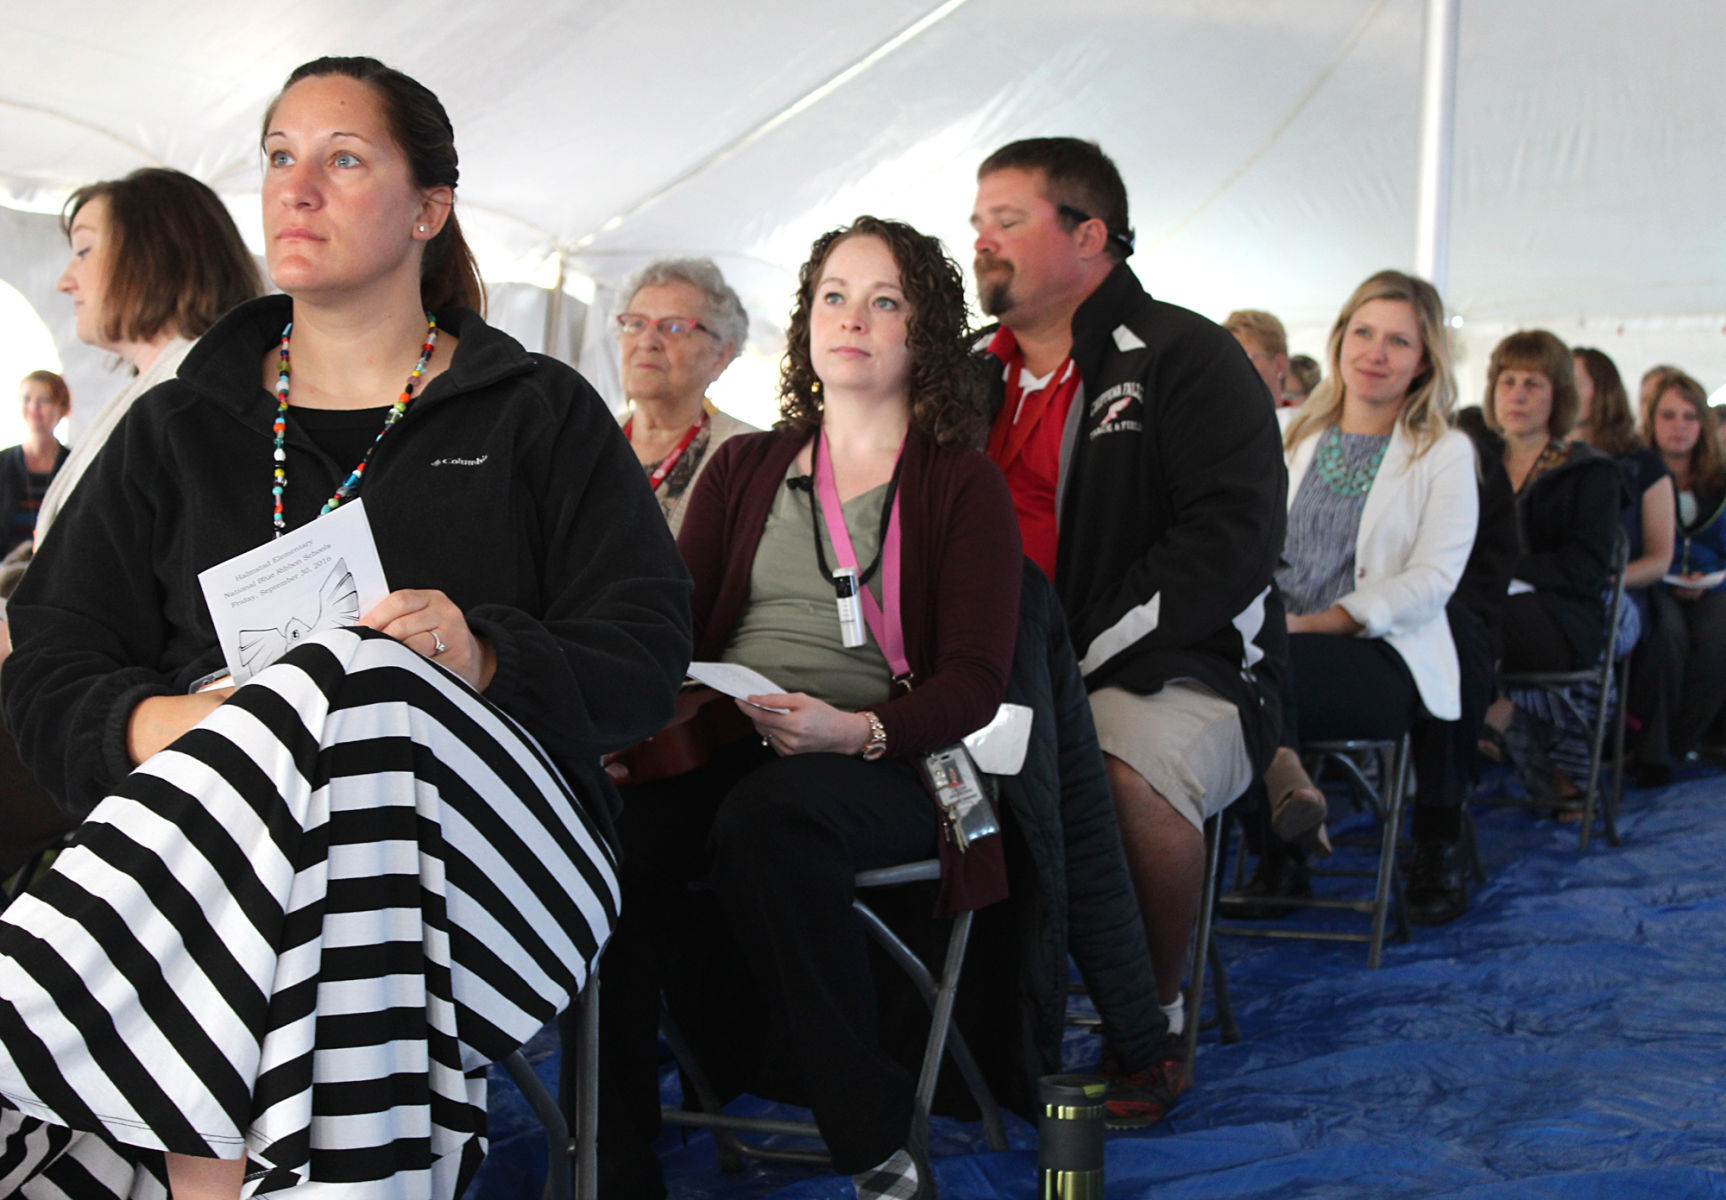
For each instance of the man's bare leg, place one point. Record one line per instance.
(192, 1178)
(1166, 856)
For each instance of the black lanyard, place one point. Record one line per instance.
(808, 484)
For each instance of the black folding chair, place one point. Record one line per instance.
(939, 992)
(1386, 798)
(572, 1171)
(1560, 684)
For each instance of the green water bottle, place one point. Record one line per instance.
(1070, 1137)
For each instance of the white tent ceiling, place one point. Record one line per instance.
(1268, 145)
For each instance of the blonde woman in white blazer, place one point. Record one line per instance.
(1414, 537)
(1383, 503)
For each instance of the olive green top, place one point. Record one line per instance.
(789, 630)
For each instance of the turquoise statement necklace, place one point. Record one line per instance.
(280, 429)
(1338, 475)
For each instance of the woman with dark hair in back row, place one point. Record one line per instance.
(301, 915)
(155, 260)
(28, 469)
(1688, 631)
(1606, 422)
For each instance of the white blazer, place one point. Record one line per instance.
(1416, 532)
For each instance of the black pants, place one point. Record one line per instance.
(1346, 687)
(780, 840)
(1681, 663)
(1445, 751)
(1533, 641)
(1334, 688)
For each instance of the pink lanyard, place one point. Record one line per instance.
(883, 619)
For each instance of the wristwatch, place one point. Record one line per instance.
(876, 746)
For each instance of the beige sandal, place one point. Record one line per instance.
(1298, 808)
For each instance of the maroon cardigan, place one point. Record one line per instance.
(960, 590)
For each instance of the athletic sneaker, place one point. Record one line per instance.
(1144, 1097)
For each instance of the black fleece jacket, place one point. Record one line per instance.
(1073, 895)
(1171, 506)
(507, 485)
(1567, 524)
(1491, 564)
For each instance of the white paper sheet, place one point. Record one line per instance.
(1711, 580)
(321, 576)
(999, 747)
(735, 680)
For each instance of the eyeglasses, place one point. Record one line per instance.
(1079, 216)
(634, 325)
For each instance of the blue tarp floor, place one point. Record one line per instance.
(1566, 1038)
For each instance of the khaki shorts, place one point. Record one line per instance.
(1185, 740)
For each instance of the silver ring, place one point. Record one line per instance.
(439, 646)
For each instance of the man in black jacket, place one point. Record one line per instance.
(1148, 477)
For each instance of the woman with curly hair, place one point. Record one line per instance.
(871, 467)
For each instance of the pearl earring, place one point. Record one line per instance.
(422, 228)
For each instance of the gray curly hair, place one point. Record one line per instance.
(725, 313)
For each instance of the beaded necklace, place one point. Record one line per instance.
(280, 428)
(1334, 469)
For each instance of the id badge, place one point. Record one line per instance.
(952, 778)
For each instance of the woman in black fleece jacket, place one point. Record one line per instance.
(302, 914)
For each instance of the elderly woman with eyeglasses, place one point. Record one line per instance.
(679, 331)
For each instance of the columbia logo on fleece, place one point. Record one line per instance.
(1122, 408)
(459, 462)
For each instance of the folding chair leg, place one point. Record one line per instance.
(994, 1132)
(587, 1110)
(1596, 748)
(1392, 792)
(943, 1038)
(725, 1144)
(1202, 943)
(544, 1105)
(1227, 1030)
(1617, 797)
(941, 1012)
(1471, 847)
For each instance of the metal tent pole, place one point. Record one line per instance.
(554, 314)
(1437, 122)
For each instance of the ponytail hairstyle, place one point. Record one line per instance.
(421, 128)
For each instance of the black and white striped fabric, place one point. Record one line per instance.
(1546, 731)
(301, 931)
